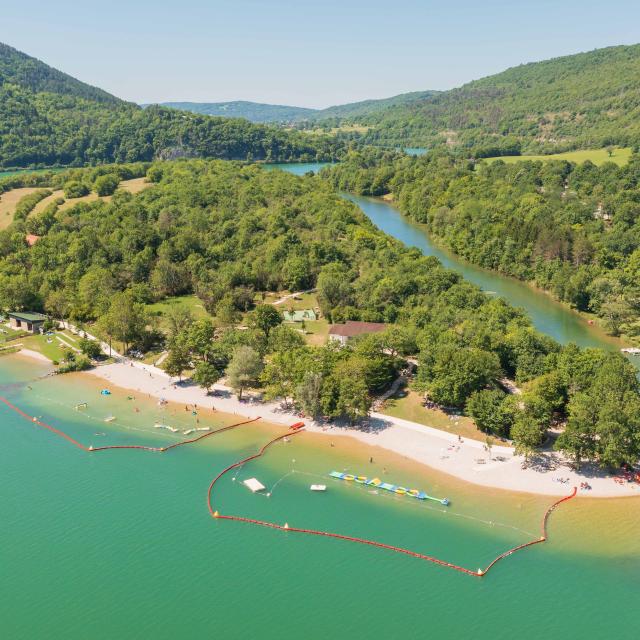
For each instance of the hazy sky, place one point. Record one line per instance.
(307, 53)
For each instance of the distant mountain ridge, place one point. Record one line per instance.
(252, 111)
(262, 113)
(584, 100)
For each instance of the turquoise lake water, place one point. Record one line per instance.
(120, 544)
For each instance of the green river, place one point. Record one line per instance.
(119, 544)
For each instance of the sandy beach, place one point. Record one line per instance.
(467, 459)
(35, 355)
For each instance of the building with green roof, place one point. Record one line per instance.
(27, 321)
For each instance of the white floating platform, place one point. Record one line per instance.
(254, 485)
(318, 487)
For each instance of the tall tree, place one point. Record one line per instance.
(265, 317)
(244, 369)
(125, 320)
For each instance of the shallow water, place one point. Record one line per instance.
(120, 543)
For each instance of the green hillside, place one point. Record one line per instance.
(264, 113)
(368, 107)
(252, 111)
(579, 101)
(33, 75)
(48, 118)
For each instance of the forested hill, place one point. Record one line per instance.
(371, 107)
(48, 118)
(252, 111)
(262, 113)
(33, 75)
(578, 101)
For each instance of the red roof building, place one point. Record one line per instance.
(350, 329)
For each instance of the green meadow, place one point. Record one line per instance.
(597, 156)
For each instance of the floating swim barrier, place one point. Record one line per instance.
(286, 527)
(387, 486)
(92, 449)
(479, 573)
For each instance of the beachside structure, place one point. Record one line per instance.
(300, 315)
(342, 333)
(254, 484)
(27, 321)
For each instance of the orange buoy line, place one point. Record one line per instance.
(74, 442)
(415, 554)
(286, 527)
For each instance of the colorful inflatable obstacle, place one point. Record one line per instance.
(387, 486)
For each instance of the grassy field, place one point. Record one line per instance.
(67, 204)
(193, 303)
(597, 156)
(8, 202)
(42, 205)
(302, 301)
(345, 128)
(407, 405)
(132, 186)
(136, 185)
(317, 331)
(48, 346)
(8, 335)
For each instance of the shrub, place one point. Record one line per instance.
(27, 203)
(90, 348)
(77, 363)
(75, 189)
(107, 184)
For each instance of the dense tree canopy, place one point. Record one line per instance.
(571, 229)
(227, 232)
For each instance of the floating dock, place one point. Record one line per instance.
(387, 486)
(254, 484)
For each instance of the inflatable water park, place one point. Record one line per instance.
(387, 486)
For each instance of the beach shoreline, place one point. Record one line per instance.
(464, 459)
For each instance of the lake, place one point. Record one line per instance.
(119, 544)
